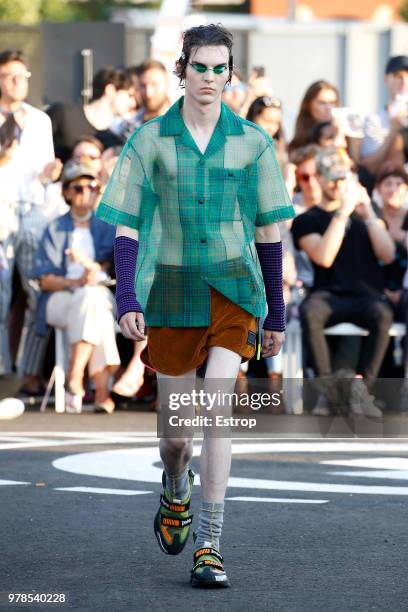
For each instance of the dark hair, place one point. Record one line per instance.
(305, 121)
(9, 132)
(109, 76)
(298, 156)
(91, 139)
(388, 170)
(259, 104)
(212, 35)
(317, 131)
(133, 71)
(12, 56)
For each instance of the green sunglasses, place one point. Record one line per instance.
(201, 68)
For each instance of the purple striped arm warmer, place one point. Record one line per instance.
(125, 250)
(270, 258)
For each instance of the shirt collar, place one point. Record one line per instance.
(172, 122)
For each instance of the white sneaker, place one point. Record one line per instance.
(321, 408)
(361, 402)
(11, 408)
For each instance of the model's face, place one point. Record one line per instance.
(207, 87)
(322, 105)
(393, 191)
(153, 89)
(14, 81)
(308, 183)
(270, 120)
(397, 83)
(88, 153)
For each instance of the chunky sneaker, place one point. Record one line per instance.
(172, 521)
(208, 571)
(361, 402)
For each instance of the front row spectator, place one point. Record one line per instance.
(71, 263)
(346, 243)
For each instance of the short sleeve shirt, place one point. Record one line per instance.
(196, 214)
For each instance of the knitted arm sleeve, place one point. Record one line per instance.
(125, 251)
(270, 258)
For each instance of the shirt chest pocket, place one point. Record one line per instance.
(227, 188)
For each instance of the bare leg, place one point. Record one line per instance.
(80, 355)
(176, 453)
(132, 378)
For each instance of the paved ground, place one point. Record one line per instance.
(78, 496)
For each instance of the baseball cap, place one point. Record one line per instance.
(73, 169)
(396, 64)
(332, 164)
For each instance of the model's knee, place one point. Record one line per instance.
(178, 445)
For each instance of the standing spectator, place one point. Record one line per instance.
(111, 98)
(346, 243)
(71, 264)
(21, 204)
(267, 112)
(381, 129)
(154, 85)
(317, 105)
(154, 93)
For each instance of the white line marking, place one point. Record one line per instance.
(13, 482)
(103, 491)
(391, 474)
(140, 464)
(382, 463)
(279, 500)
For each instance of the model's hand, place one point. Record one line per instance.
(272, 343)
(132, 326)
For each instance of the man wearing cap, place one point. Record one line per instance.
(382, 128)
(71, 262)
(346, 243)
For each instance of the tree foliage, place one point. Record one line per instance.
(404, 11)
(29, 12)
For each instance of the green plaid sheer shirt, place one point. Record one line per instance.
(196, 214)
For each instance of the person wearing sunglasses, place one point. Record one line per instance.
(71, 265)
(196, 195)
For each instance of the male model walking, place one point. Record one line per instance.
(196, 195)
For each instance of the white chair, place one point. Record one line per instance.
(57, 378)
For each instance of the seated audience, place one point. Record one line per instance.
(346, 244)
(267, 113)
(71, 264)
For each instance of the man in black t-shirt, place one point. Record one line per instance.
(345, 242)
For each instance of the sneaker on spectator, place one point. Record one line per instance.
(361, 402)
(322, 406)
(11, 408)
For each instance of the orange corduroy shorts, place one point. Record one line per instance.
(177, 350)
